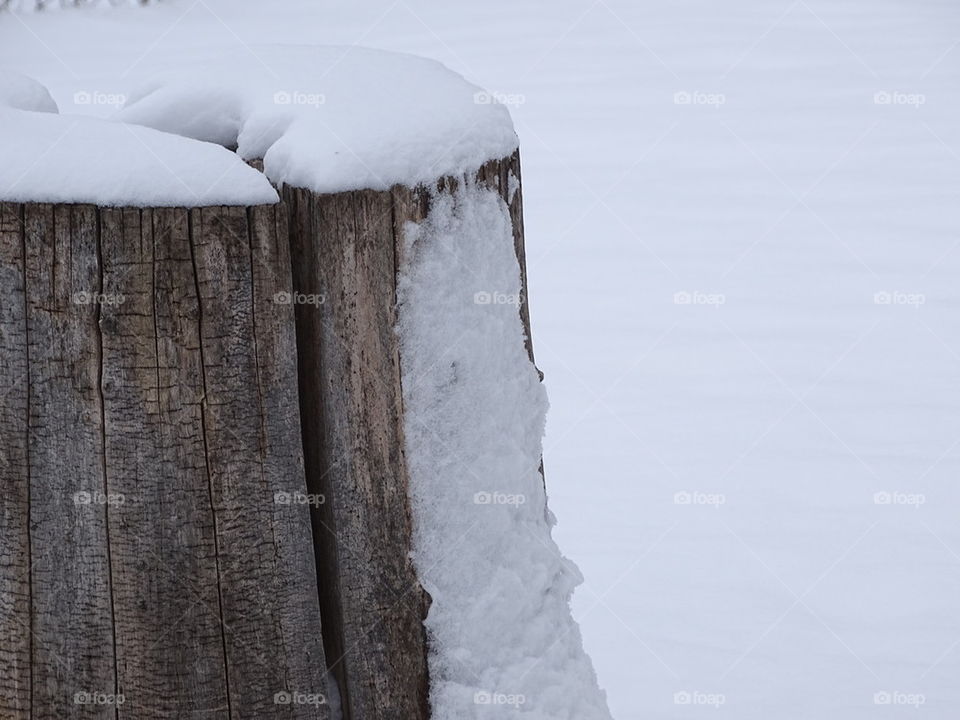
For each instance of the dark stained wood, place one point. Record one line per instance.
(15, 636)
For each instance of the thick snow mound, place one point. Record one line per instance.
(330, 118)
(73, 159)
(503, 642)
(24, 93)
(48, 157)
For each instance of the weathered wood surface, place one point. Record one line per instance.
(343, 250)
(202, 456)
(72, 627)
(151, 442)
(347, 250)
(15, 637)
(266, 562)
(169, 646)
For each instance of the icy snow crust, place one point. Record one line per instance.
(330, 118)
(502, 638)
(48, 157)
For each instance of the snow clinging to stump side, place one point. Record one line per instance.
(503, 642)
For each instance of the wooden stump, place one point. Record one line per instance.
(201, 454)
(153, 417)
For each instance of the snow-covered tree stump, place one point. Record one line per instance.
(157, 555)
(270, 436)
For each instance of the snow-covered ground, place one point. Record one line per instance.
(743, 241)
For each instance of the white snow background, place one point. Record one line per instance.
(742, 235)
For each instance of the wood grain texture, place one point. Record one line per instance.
(72, 610)
(143, 452)
(258, 560)
(15, 646)
(169, 645)
(293, 581)
(343, 251)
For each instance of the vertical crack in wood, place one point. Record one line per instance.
(26, 431)
(303, 240)
(156, 321)
(261, 454)
(261, 450)
(192, 235)
(103, 453)
(345, 249)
